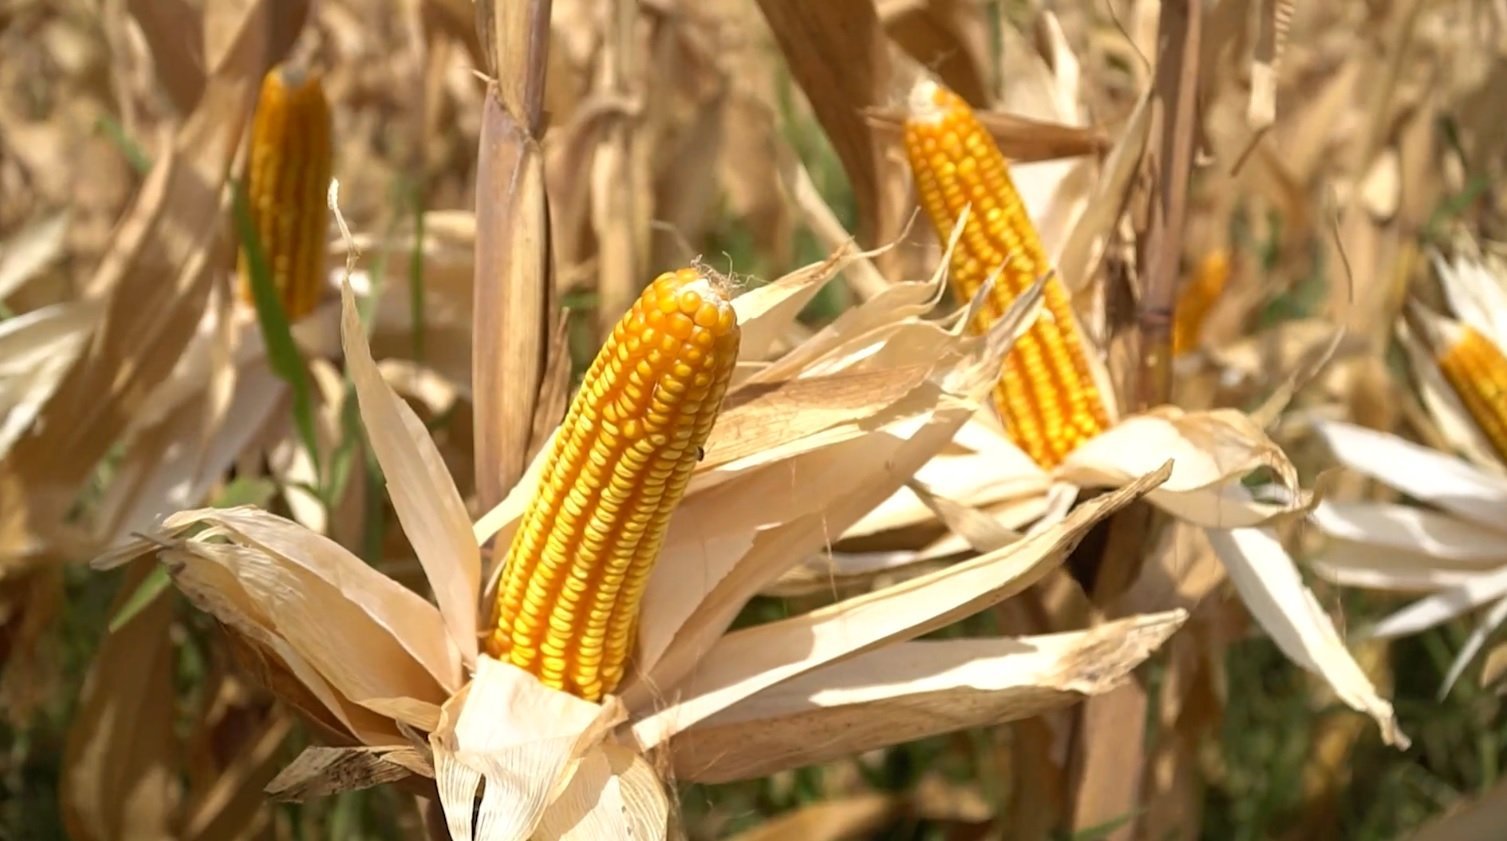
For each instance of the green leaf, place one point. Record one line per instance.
(245, 490)
(134, 154)
(151, 587)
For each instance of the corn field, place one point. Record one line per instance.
(917, 420)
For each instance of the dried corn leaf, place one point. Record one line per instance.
(745, 662)
(1445, 481)
(1211, 452)
(119, 778)
(1448, 540)
(1357, 564)
(320, 771)
(912, 691)
(167, 467)
(424, 496)
(158, 273)
(837, 52)
(513, 307)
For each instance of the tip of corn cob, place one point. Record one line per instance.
(927, 102)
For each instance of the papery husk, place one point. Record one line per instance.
(910, 691)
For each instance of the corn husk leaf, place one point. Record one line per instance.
(1211, 451)
(325, 614)
(614, 793)
(1445, 481)
(1436, 335)
(525, 755)
(424, 496)
(1410, 529)
(1353, 564)
(1272, 590)
(745, 662)
(910, 691)
(695, 595)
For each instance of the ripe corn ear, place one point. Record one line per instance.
(290, 169)
(1046, 394)
(567, 604)
(1477, 372)
(1197, 299)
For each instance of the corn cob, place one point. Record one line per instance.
(1477, 372)
(1197, 298)
(289, 173)
(567, 604)
(1046, 394)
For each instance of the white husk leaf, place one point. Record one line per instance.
(1210, 452)
(1410, 528)
(1355, 564)
(522, 737)
(1442, 606)
(1272, 590)
(614, 793)
(1443, 480)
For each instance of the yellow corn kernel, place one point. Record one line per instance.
(289, 174)
(567, 604)
(1197, 299)
(1046, 394)
(1477, 372)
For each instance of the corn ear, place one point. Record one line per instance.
(1046, 394)
(1476, 371)
(290, 168)
(567, 605)
(1197, 299)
